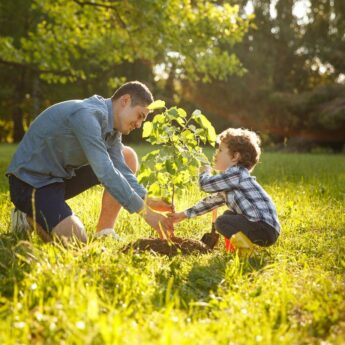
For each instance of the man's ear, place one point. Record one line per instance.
(125, 100)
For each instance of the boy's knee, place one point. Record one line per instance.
(223, 227)
(131, 158)
(219, 225)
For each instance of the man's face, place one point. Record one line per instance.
(128, 117)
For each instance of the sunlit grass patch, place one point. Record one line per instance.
(290, 293)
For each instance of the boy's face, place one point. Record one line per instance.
(224, 159)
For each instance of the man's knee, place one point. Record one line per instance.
(71, 227)
(131, 158)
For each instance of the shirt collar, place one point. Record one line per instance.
(233, 168)
(110, 115)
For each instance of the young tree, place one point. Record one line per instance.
(167, 170)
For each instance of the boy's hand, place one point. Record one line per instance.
(204, 168)
(159, 205)
(177, 217)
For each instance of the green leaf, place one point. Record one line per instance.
(171, 167)
(211, 135)
(159, 166)
(162, 178)
(188, 138)
(144, 176)
(154, 189)
(181, 112)
(158, 104)
(173, 112)
(147, 129)
(202, 120)
(149, 156)
(160, 118)
(206, 124)
(180, 121)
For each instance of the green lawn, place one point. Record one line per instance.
(291, 293)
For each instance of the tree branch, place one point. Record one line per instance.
(33, 68)
(96, 4)
(103, 5)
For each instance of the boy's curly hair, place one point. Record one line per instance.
(245, 142)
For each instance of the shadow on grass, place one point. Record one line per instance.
(205, 278)
(15, 261)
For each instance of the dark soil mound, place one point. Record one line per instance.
(177, 245)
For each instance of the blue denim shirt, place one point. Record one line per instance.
(71, 134)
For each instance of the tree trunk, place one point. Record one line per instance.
(17, 115)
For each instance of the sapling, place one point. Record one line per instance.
(175, 164)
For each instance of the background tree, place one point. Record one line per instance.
(294, 85)
(279, 73)
(88, 42)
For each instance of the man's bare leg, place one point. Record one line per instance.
(69, 228)
(110, 206)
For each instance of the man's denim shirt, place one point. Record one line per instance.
(69, 135)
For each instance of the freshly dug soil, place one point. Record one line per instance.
(177, 245)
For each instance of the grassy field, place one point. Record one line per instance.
(291, 293)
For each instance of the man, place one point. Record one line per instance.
(72, 146)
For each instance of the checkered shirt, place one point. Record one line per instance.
(240, 192)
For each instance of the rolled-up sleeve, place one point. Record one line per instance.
(86, 126)
(118, 160)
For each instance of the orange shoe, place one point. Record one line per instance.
(228, 245)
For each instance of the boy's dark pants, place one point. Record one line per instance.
(259, 233)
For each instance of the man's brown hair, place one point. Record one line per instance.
(245, 142)
(139, 92)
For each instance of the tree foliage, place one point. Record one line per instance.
(84, 42)
(295, 66)
(192, 34)
(263, 71)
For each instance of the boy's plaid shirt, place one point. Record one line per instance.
(240, 192)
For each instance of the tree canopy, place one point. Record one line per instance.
(63, 41)
(294, 87)
(267, 69)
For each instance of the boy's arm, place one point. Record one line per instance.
(205, 205)
(220, 182)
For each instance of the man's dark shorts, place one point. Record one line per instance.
(50, 201)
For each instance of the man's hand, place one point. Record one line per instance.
(159, 205)
(163, 225)
(177, 217)
(204, 168)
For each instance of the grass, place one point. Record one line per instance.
(291, 293)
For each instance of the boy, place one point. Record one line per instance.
(251, 209)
